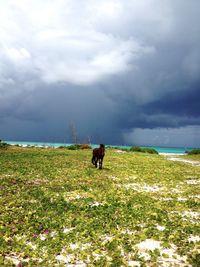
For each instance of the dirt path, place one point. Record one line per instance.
(174, 157)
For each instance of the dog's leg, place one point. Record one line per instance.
(93, 160)
(100, 163)
(96, 161)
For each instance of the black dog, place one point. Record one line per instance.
(98, 155)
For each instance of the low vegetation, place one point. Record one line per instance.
(194, 152)
(77, 147)
(3, 145)
(58, 210)
(144, 150)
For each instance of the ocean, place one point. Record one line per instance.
(174, 150)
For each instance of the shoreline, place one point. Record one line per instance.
(172, 154)
(57, 145)
(161, 150)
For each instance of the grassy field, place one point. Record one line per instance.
(58, 210)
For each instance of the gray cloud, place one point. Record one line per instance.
(110, 67)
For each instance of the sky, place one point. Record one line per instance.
(109, 71)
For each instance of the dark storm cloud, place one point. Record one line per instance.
(174, 109)
(120, 71)
(184, 103)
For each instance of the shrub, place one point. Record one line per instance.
(74, 147)
(144, 150)
(85, 146)
(150, 151)
(3, 145)
(193, 152)
(136, 149)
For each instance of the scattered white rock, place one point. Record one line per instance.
(148, 244)
(53, 234)
(16, 260)
(145, 255)
(141, 224)
(193, 182)
(43, 237)
(97, 255)
(13, 259)
(79, 246)
(132, 177)
(85, 246)
(173, 258)
(169, 256)
(192, 214)
(143, 188)
(128, 232)
(96, 204)
(74, 196)
(182, 199)
(66, 258)
(166, 198)
(176, 190)
(106, 238)
(74, 246)
(33, 246)
(113, 177)
(120, 151)
(67, 230)
(160, 228)
(133, 263)
(193, 238)
(195, 196)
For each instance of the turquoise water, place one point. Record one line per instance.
(176, 150)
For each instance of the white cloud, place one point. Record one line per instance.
(83, 42)
(17, 55)
(57, 41)
(86, 58)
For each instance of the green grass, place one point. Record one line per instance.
(57, 209)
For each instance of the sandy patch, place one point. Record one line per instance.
(194, 239)
(120, 151)
(68, 230)
(174, 157)
(75, 195)
(194, 182)
(96, 204)
(168, 256)
(191, 214)
(144, 188)
(148, 244)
